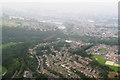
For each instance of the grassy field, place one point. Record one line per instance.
(7, 45)
(2, 69)
(102, 49)
(13, 24)
(102, 61)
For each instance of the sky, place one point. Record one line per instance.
(82, 6)
(59, 0)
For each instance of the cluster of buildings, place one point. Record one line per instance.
(16, 17)
(67, 66)
(109, 53)
(114, 58)
(63, 63)
(103, 49)
(81, 27)
(104, 28)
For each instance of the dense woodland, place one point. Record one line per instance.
(18, 34)
(97, 40)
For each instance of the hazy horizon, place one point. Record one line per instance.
(63, 8)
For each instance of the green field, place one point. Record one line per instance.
(7, 45)
(10, 24)
(102, 49)
(102, 61)
(2, 69)
(13, 24)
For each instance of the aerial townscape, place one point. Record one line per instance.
(49, 42)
